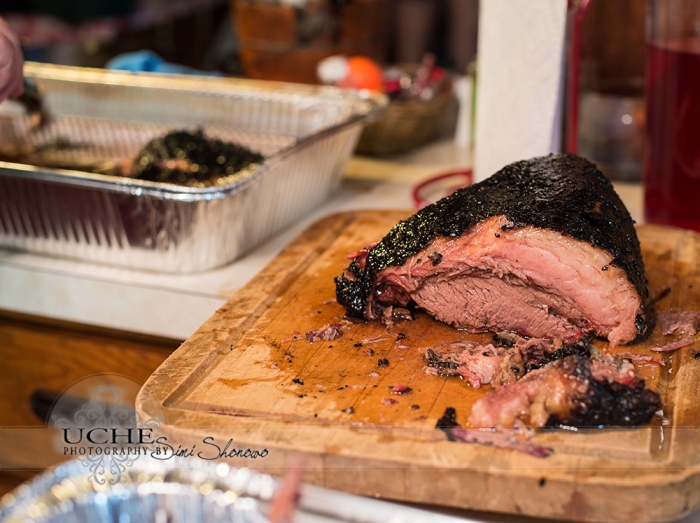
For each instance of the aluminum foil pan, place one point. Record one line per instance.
(180, 490)
(149, 491)
(306, 133)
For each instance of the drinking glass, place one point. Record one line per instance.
(672, 159)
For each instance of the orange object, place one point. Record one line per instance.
(363, 73)
(270, 43)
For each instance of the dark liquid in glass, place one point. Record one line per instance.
(672, 163)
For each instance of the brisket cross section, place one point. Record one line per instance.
(544, 248)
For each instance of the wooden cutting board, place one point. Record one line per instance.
(244, 376)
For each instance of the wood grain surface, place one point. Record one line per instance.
(48, 359)
(245, 376)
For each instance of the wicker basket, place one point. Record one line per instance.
(405, 124)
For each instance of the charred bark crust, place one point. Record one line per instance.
(560, 192)
(607, 404)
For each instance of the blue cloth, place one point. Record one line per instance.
(151, 62)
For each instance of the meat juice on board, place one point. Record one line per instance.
(672, 165)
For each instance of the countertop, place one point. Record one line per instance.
(174, 306)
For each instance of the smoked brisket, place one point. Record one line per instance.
(544, 248)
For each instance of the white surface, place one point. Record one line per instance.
(463, 90)
(518, 107)
(174, 306)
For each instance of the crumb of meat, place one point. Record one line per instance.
(536, 352)
(502, 438)
(369, 352)
(389, 401)
(505, 338)
(475, 363)
(383, 362)
(637, 358)
(329, 332)
(374, 339)
(415, 407)
(298, 381)
(445, 360)
(387, 316)
(431, 371)
(511, 369)
(686, 322)
(400, 389)
(611, 369)
(399, 313)
(349, 410)
(374, 374)
(362, 253)
(675, 345)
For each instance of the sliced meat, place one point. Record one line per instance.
(686, 322)
(543, 248)
(574, 391)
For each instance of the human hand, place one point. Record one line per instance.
(11, 63)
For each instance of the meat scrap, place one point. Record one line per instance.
(362, 253)
(400, 389)
(544, 247)
(476, 363)
(329, 332)
(685, 342)
(374, 339)
(485, 364)
(686, 322)
(637, 359)
(188, 157)
(574, 391)
(503, 438)
(391, 313)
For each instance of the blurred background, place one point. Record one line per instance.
(287, 39)
(260, 38)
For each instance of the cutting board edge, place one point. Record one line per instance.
(679, 489)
